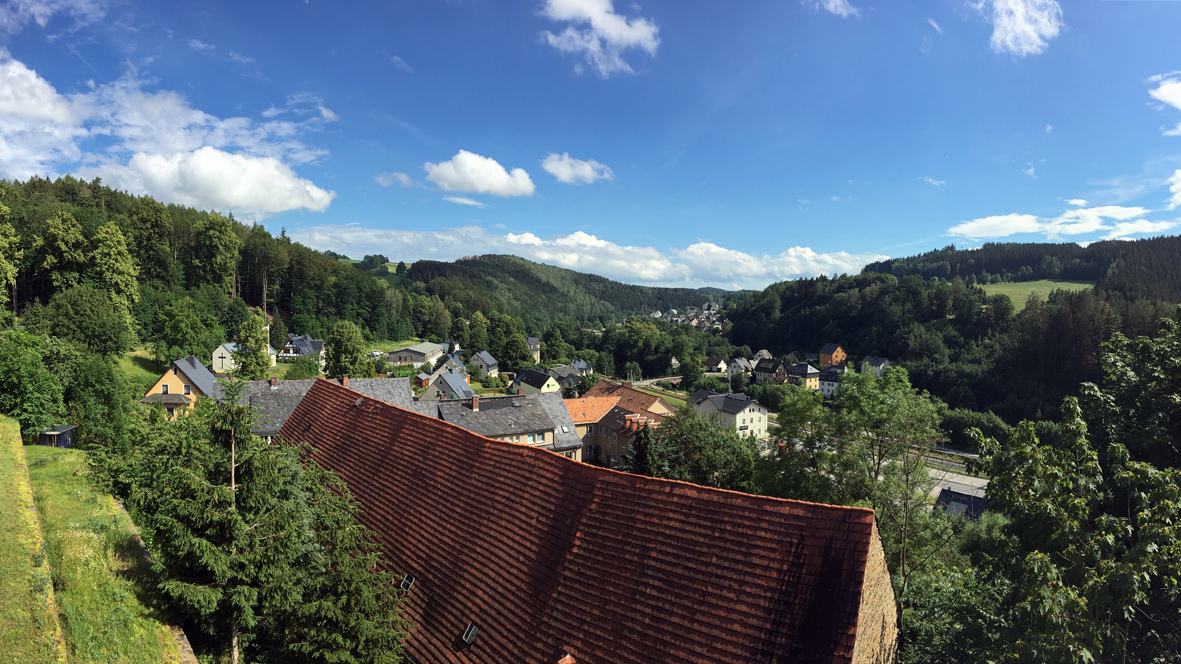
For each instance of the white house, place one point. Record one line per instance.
(715, 365)
(488, 364)
(736, 411)
(740, 365)
(223, 357)
(418, 354)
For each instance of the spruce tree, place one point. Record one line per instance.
(642, 460)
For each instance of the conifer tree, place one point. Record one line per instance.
(113, 267)
(250, 355)
(642, 460)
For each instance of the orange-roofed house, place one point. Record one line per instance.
(587, 412)
(608, 440)
(512, 553)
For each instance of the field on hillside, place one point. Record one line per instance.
(28, 624)
(1019, 291)
(102, 582)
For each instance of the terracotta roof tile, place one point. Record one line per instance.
(589, 410)
(550, 556)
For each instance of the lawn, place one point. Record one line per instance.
(139, 366)
(674, 399)
(389, 346)
(29, 631)
(1019, 291)
(101, 581)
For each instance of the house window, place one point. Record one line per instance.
(175, 371)
(164, 389)
(532, 438)
(188, 389)
(171, 411)
(590, 429)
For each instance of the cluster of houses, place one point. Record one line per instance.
(708, 316)
(797, 368)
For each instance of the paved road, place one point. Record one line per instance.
(945, 479)
(675, 380)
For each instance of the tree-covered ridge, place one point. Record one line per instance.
(539, 294)
(1146, 268)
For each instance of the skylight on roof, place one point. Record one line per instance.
(469, 634)
(407, 582)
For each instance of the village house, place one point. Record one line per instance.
(736, 412)
(417, 355)
(302, 345)
(582, 367)
(830, 379)
(586, 412)
(831, 354)
(533, 556)
(795, 357)
(805, 375)
(448, 385)
(489, 367)
(772, 371)
(739, 365)
(674, 364)
(763, 354)
(565, 376)
(609, 438)
(537, 420)
(181, 384)
(875, 365)
(535, 348)
(529, 381)
(715, 365)
(223, 357)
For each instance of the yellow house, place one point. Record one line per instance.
(529, 381)
(181, 384)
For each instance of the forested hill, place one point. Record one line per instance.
(1149, 268)
(540, 293)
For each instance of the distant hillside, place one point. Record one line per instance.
(540, 293)
(1136, 269)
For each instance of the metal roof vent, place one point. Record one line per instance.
(469, 634)
(407, 582)
(357, 402)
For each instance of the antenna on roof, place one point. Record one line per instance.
(469, 634)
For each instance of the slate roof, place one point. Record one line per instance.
(875, 361)
(763, 354)
(486, 357)
(565, 375)
(832, 374)
(700, 395)
(770, 365)
(532, 378)
(565, 433)
(424, 348)
(197, 373)
(394, 391)
(795, 357)
(829, 348)
(167, 399)
(732, 403)
(498, 416)
(273, 405)
(804, 371)
(957, 503)
(305, 344)
(743, 363)
(453, 382)
(534, 343)
(589, 410)
(551, 556)
(581, 365)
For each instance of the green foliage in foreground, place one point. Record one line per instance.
(102, 584)
(26, 633)
(303, 368)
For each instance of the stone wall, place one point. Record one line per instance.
(877, 624)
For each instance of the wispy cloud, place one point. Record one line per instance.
(933, 24)
(839, 7)
(606, 35)
(460, 200)
(401, 64)
(1109, 221)
(569, 170)
(387, 179)
(1168, 92)
(200, 46)
(932, 181)
(1029, 170)
(1021, 27)
(16, 14)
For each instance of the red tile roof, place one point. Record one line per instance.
(550, 556)
(589, 410)
(630, 398)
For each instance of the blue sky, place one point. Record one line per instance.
(680, 143)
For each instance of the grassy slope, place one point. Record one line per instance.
(1019, 291)
(102, 583)
(28, 624)
(675, 399)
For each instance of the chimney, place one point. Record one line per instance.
(274, 383)
(568, 659)
(344, 380)
(475, 403)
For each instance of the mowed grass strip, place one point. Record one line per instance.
(29, 632)
(102, 583)
(674, 399)
(1019, 291)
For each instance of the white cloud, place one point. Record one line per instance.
(198, 45)
(935, 25)
(240, 59)
(698, 264)
(15, 14)
(210, 178)
(575, 171)
(1077, 201)
(1021, 27)
(1049, 129)
(386, 179)
(838, 7)
(460, 200)
(327, 115)
(1175, 190)
(606, 36)
(1089, 220)
(932, 181)
(1028, 170)
(273, 112)
(996, 226)
(470, 172)
(154, 143)
(1168, 92)
(1121, 230)
(401, 64)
